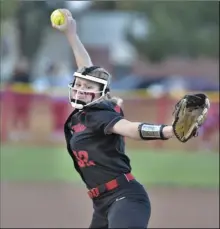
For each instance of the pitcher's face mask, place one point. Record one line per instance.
(86, 90)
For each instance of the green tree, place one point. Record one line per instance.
(176, 28)
(7, 8)
(32, 17)
(188, 29)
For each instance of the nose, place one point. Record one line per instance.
(81, 92)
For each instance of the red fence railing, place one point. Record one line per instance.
(32, 117)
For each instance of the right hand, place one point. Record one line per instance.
(70, 24)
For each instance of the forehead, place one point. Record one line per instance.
(85, 81)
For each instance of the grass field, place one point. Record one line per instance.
(151, 168)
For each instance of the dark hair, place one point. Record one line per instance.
(97, 72)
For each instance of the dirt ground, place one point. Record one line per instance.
(64, 205)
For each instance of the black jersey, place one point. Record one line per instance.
(98, 155)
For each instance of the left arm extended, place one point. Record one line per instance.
(132, 130)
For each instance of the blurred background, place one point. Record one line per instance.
(156, 52)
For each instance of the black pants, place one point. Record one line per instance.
(126, 207)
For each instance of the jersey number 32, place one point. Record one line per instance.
(83, 159)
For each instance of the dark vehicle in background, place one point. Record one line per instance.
(166, 83)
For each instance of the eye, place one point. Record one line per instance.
(77, 85)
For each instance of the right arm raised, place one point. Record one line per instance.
(69, 29)
(81, 55)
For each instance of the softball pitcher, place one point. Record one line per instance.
(95, 132)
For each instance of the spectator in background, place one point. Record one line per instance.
(59, 79)
(4, 47)
(55, 81)
(56, 75)
(21, 73)
(20, 96)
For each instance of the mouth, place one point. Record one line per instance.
(81, 97)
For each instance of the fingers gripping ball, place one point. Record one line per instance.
(57, 17)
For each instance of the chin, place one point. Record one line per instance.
(83, 100)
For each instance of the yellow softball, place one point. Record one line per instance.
(57, 17)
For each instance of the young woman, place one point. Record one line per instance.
(95, 132)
